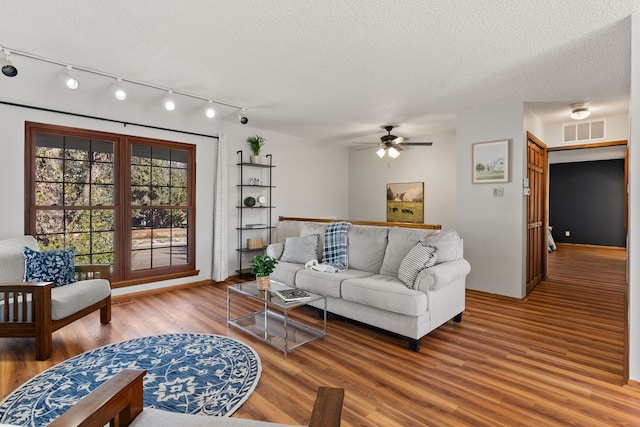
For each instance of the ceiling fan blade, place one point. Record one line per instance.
(424, 144)
(366, 148)
(366, 143)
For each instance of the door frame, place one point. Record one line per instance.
(625, 362)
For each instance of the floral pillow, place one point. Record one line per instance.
(56, 266)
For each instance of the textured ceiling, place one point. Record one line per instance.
(332, 70)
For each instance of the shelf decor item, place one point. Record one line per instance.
(262, 266)
(256, 143)
(255, 243)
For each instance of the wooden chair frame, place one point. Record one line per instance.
(34, 317)
(120, 399)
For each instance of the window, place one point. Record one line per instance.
(121, 200)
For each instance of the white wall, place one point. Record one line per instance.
(435, 166)
(633, 247)
(493, 228)
(617, 130)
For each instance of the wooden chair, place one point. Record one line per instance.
(26, 308)
(119, 401)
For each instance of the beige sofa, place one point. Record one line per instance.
(370, 290)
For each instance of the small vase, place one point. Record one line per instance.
(254, 159)
(264, 282)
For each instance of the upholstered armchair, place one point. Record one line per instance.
(38, 308)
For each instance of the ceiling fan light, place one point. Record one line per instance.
(393, 153)
(580, 113)
(381, 152)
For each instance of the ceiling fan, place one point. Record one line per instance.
(391, 144)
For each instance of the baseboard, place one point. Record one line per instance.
(584, 245)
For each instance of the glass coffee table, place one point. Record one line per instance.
(269, 316)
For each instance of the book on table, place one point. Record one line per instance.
(289, 295)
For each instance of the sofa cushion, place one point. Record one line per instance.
(12, 257)
(315, 228)
(69, 299)
(401, 240)
(285, 272)
(326, 283)
(448, 244)
(300, 249)
(366, 247)
(56, 266)
(385, 293)
(421, 256)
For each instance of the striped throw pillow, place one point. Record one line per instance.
(421, 256)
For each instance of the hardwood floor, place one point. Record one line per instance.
(554, 359)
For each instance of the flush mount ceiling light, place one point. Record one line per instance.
(579, 111)
(169, 103)
(8, 69)
(118, 91)
(69, 80)
(209, 111)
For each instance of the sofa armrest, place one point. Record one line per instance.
(442, 274)
(274, 250)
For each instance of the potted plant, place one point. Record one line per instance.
(255, 144)
(262, 266)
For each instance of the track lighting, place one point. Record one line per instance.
(69, 80)
(169, 103)
(209, 111)
(243, 116)
(8, 69)
(118, 91)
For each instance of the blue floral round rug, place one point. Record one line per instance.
(186, 373)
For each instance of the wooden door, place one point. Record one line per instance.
(536, 212)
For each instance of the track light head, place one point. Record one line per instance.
(69, 80)
(169, 103)
(209, 111)
(243, 116)
(8, 69)
(118, 91)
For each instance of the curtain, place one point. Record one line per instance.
(220, 231)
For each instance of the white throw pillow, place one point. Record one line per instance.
(447, 242)
(300, 250)
(421, 256)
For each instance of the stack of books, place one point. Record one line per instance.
(289, 295)
(255, 225)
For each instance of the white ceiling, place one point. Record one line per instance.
(336, 71)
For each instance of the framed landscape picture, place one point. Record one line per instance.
(405, 202)
(490, 162)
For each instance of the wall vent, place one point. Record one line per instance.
(592, 130)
